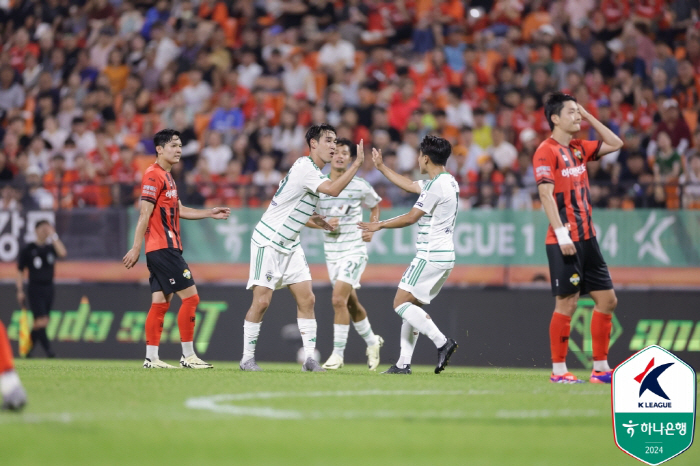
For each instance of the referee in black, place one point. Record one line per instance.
(39, 257)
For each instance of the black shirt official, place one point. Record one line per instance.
(40, 258)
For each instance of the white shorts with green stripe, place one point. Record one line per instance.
(423, 280)
(348, 270)
(272, 269)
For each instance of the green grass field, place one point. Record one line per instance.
(114, 412)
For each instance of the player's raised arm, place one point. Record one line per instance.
(132, 257)
(611, 142)
(335, 187)
(401, 181)
(219, 213)
(409, 218)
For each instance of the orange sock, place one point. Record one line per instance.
(559, 329)
(601, 327)
(186, 318)
(6, 361)
(154, 323)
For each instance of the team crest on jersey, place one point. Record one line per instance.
(187, 274)
(172, 281)
(575, 279)
(578, 155)
(268, 275)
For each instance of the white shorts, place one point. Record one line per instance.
(348, 270)
(423, 280)
(272, 269)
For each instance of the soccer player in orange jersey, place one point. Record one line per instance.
(13, 395)
(159, 221)
(576, 265)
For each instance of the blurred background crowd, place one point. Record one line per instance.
(85, 84)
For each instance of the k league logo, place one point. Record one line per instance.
(653, 400)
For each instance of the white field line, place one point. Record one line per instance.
(221, 404)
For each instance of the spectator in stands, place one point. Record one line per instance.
(217, 154)
(673, 124)
(10, 198)
(288, 134)
(233, 186)
(691, 183)
(667, 162)
(297, 77)
(6, 174)
(59, 181)
(11, 93)
(227, 118)
(37, 196)
(266, 180)
(197, 93)
(38, 154)
(336, 53)
(481, 133)
(503, 153)
(84, 139)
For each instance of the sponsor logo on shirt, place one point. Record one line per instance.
(171, 193)
(543, 170)
(573, 171)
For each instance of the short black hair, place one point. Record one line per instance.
(554, 104)
(40, 223)
(164, 136)
(436, 148)
(347, 142)
(316, 131)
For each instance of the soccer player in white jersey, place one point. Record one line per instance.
(436, 214)
(276, 257)
(346, 257)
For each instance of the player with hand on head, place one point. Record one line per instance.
(436, 215)
(159, 221)
(346, 256)
(276, 257)
(576, 265)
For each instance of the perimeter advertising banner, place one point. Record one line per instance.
(494, 327)
(638, 238)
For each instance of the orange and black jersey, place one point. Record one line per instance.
(158, 187)
(565, 167)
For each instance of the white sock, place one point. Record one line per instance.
(307, 327)
(559, 368)
(340, 339)
(365, 330)
(8, 381)
(420, 320)
(151, 352)
(601, 366)
(251, 331)
(409, 337)
(187, 348)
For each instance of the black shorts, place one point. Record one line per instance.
(583, 272)
(40, 297)
(169, 271)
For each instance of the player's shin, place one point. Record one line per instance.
(601, 327)
(186, 318)
(364, 329)
(559, 329)
(340, 339)
(409, 337)
(154, 328)
(307, 327)
(251, 331)
(6, 361)
(420, 320)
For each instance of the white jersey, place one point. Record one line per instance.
(439, 199)
(290, 208)
(346, 240)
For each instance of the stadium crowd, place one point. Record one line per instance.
(84, 85)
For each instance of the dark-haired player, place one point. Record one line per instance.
(39, 257)
(276, 257)
(436, 214)
(346, 257)
(159, 221)
(576, 264)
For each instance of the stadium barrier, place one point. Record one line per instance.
(494, 326)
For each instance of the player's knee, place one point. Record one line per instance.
(612, 304)
(308, 301)
(194, 299)
(262, 302)
(339, 301)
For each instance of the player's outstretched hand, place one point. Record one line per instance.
(131, 258)
(370, 227)
(360, 153)
(377, 158)
(568, 249)
(220, 213)
(320, 220)
(367, 236)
